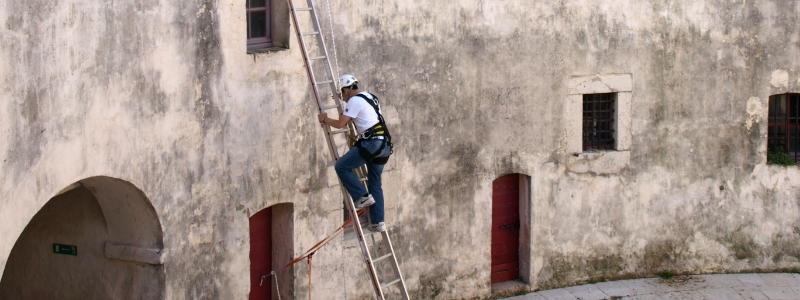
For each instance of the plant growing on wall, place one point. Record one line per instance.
(778, 156)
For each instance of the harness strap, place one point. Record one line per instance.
(379, 129)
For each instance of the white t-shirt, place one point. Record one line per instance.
(361, 112)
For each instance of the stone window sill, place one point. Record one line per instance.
(266, 50)
(602, 162)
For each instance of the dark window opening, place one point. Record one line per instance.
(598, 121)
(259, 25)
(783, 127)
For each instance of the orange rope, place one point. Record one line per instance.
(323, 241)
(309, 276)
(319, 245)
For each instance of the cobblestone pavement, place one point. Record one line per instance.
(768, 286)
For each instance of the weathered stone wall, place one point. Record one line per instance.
(162, 94)
(151, 92)
(480, 90)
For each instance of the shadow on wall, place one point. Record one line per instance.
(99, 238)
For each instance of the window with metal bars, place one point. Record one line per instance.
(783, 126)
(259, 25)
(598, 122)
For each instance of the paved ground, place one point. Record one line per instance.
(769, 286)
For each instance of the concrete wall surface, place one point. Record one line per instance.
(163, 94)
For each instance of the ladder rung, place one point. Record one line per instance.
(329, 107)
(303, 9)
(368, 232)
(317, 57)
(382, 257)
(310, 33)
(391, 283)
(338, 131)
(324, 82)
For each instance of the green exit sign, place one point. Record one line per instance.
(65, 249)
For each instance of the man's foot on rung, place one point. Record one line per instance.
(380, 227)
(364, 202)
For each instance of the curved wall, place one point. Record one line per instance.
(75, 218)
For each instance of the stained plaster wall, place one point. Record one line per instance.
(162, 94)
(479, 89)
(153, 93)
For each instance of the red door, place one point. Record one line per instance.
(505, 228)
(261, 255)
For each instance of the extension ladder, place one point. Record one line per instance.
(312, 64)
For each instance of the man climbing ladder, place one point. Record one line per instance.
(373, 148)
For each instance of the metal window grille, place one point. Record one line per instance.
(598, 121)
(783, 126)
(259, 24)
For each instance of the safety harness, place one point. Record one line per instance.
(374, 132)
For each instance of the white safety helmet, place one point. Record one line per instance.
(347, 80)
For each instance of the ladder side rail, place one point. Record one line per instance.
(351, 207)
(304, 51)
(361, 172)
(334, 151)
(328, 68)
(376, 247)
(352, 135)
(324, 49)
(309, 72)
(395, 265)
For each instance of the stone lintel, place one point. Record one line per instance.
(152, 256)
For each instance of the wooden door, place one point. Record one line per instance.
(261, 255)
(505, 228)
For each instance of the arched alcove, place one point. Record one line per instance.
(99, 238)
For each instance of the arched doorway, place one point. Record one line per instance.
(99, 238)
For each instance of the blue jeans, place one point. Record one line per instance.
(351, 160)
